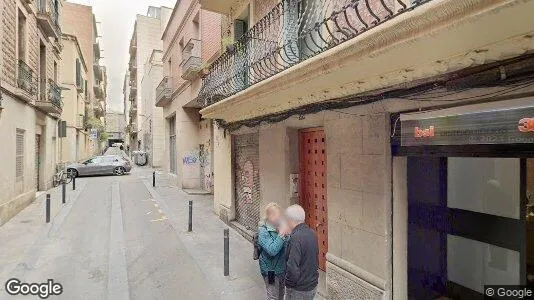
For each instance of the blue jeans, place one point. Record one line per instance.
(292, 294)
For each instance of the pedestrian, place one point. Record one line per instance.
(302, 252)
(271, 239)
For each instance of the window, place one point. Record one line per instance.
(78, 73)
(19, 156)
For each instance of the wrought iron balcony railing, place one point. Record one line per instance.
(54, 94)
(27, 79)
(292, 32)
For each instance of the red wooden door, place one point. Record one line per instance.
(313, 186)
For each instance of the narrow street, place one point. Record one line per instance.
(118, 238)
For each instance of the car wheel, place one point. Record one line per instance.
(72, 173)
(119, 171)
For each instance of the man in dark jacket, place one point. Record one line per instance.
(301, 257)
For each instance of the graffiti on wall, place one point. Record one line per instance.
(247, 180)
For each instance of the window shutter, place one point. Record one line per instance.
(19, 155)
(78, 73)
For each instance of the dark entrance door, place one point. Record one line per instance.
(313, 186)
(466, 226)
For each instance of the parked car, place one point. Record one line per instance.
(101, 165)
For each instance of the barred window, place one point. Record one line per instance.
(19, 156)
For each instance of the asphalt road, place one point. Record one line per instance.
(111, 242)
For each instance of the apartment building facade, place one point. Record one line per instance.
(80, 21)
(73, 69)
(403, 131)
(153, 126)
(115, 125)
(190, 42)
(146, 37)
(31, 104)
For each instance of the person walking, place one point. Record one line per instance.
(271, 235)
(302, 261)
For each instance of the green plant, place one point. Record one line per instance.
(104, 136)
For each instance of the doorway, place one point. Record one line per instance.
(468, 225)
(37, 160)
(312, 161)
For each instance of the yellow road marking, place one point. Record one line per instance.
(160, 219)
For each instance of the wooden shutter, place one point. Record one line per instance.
(19, 155)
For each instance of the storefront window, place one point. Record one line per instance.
(484, 185)
(473, 264)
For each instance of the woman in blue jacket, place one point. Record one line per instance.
(271, 239)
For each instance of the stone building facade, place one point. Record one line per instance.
(30, 50)
(76, 145)
(324, 108)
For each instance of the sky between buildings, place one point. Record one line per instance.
(116, 19)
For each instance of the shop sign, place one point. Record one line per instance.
(508, 126)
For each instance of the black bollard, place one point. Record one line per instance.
(47, 209)
(190, 225)
(154, 179)
(73, 183)
(226, 252)
(64, 194)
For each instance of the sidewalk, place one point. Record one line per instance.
(205, 243)
(28, 230)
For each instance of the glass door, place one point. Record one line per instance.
(466, 226)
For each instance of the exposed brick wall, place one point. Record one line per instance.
(211, 34)
(8, 46)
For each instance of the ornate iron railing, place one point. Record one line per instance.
(27, 79)
(293, 31)
(54, 94)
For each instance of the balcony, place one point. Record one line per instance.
(50, 98)
(98, 90)
(48, 17)
(218, 6)
(346, 48)
(99, 74)
(132, 65)
(164, 92)
(27, 79)
(99, 111)
(191, 59)
(96, 51)
(133, 45)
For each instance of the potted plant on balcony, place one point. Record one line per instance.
(228, 44)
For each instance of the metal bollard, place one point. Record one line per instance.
(226, 252)
(64, 194)
(154, 179)
(73, 183)
(47, 209)
(190, 225)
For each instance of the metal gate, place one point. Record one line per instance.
(313, 186)
(247, 179)
(37, 160)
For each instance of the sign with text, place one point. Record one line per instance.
(507, 126)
